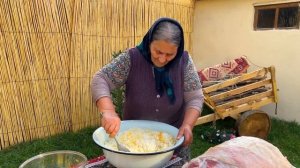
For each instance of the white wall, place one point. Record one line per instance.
(223, 30)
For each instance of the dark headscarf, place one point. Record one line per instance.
(162, 77)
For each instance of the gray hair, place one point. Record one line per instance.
(169, 32)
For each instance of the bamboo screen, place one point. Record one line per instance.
(49, 51)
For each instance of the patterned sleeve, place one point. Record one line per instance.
(116, 72)
(191, 78)
(193, 95)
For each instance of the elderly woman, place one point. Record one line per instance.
(161, 82)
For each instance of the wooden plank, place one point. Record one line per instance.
(208, 101)
(212, 117)
(240, 90)
(229, 82)
(246, 107)
(244, 100)
(210, 106)
(235, 116)
(207, 118)
(274, 83)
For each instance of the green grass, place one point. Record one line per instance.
(284, 135)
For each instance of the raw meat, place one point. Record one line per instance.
(241, 152)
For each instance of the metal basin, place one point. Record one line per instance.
(56, 159)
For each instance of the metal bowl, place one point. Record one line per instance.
(122, 159)
(56, 159)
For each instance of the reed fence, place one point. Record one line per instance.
(50, 49)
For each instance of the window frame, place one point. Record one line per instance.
(276, 7)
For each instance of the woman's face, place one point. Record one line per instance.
(162, 52)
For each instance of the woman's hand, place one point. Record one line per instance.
(186, 131)
(110, 121)
(187, 126)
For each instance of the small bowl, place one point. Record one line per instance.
(123, 159)
(61, 159)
